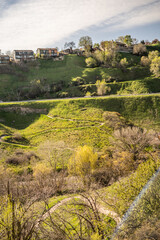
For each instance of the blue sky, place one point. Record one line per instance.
(29, 24)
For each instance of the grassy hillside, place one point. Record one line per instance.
(73, 122)
(50, 79)
(135, 108)
(143, 220)
(38, 138)
(154, 47)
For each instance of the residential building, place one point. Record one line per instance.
(122, 47)
(47, 52)
(23, 55)
(4, 59)
(78, 51)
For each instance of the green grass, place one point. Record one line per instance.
(154, 47)
(74, 123)
(57, 76)
(78, 122)
(121, 194)
(67, 211)
(145, 213)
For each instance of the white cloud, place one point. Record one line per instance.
(30, 24)
(137, 17)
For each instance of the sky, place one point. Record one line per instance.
(30, 24)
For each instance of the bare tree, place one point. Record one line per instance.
(88, 221)
(52, 152)
(17, 221)
(131, 139)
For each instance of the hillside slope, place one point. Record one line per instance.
(71, 77)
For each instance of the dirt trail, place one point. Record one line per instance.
(2, 136)
(72, 98)
(100, 209)
(77, 120)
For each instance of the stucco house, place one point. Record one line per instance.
(122, 47)
(23, 55)
(4, 59)
(47, 52)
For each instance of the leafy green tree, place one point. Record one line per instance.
(108, 55)
(142, 41)
(96, 45)
(85, 42)
(128, 40)
(108, 45)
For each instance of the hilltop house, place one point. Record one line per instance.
(47, 52)
(23, 55)
(122, 47)
(4, 59)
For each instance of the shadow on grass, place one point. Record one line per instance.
(18, 121)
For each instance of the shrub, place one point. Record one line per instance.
(91, 62)
(131, 139)
(99, 56)
(17, 137)
(153, 54)
(101, 87)
(102, 176)
(88, 94)
(63, 94)
(83, 161)
(123, 163)
(145, 61)
(77, 81)
(139, 49)
(13, 160)
(41, 171)
(21, 157)
(155, 66)
(30, 155)
(114, 120)
(124, 63)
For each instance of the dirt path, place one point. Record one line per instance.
(77, 120)
(51, 130)
(72, 98)
(99, 207)
(2, 136)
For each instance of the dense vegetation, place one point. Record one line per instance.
(40, 144)
(70, 169)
